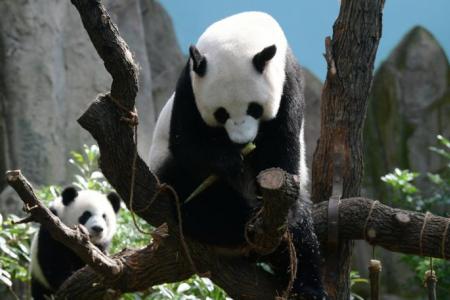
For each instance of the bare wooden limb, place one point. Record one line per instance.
(162, 261)
(112, 49)
(350, 55)
(135, 270)
(374, 278)
(387, 230)
(430, 283)
(331, 65)
(266, 229)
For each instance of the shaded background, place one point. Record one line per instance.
(50, 72)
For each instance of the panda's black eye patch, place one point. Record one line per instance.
(84, 217)
(255, 110)
(221, 115)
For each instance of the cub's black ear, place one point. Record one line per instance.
(68, 195)
(114, 198)
(261, 58)
(198, 61)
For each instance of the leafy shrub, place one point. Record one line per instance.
(436, 199)
(14, 251)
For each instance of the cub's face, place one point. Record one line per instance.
(92, 209)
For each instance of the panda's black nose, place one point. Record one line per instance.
(97, 229)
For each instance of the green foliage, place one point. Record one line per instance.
(420, 265)
(355, 278)
(401, 180)
(48, 193)
(436, 199)
(89, 177)
(193, 288)
(14, 251)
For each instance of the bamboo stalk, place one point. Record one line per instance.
(213, 177)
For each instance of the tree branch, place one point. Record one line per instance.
(280, 192)
(137, 270)
(112, 49)
(160, 262)
(350, 56)
(391, 228)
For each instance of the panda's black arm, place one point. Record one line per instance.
(279, 142)
(196, 146)
(204, 156)
(278, 148)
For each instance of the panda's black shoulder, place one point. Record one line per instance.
(293, 97)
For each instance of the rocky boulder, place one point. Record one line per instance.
(50, 72)
(409, 105)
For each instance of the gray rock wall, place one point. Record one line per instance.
(409, 106)
(50, 72)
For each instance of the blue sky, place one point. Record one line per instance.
(307, 23)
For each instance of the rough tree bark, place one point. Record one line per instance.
(350, 57)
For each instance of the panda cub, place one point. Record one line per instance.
(52, 262)
(241, 84)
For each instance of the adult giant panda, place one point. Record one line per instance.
(241, 84)
(52, 262)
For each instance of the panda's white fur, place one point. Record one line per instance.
(101, 225)
(159, 150)
(245, 34)
(98, 204)
(35, 267)
(241, 36)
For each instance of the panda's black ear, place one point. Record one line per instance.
(68, 195)
(198, 61)
(114, 198)
(261, 58)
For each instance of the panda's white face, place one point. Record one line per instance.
(232, 90)
(92, 209)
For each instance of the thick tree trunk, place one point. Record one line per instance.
(350, 56)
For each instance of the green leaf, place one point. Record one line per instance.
(97, 175)
(183, 287)
(5, 277)
(23, 248)
(82, 181)
(77, 157)
(360, 280)
(5, 248)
